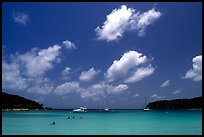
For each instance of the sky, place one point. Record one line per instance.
(96, 54)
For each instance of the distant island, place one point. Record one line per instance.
(15, 102)
(193, 103)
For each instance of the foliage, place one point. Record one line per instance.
(193, 103)
(14, 101)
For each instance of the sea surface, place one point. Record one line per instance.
(97, 122)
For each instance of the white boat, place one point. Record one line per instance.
(80, 109)
(146, 109)
(106, 109)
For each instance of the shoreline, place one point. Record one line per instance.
(22, 109)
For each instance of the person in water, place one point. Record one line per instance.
(68, 117)
(53, 122)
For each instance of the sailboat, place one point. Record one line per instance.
(146, 108)
(106, 109)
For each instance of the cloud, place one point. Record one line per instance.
(41, 88)
(94, 92)
(20, 18)
(127, 67)
(116, 89)
(39, 85)
(11, 77)
(97, 91)
(37, 63)
(88, 75)
(140, 73)
(136, 95)
(178, 91)
(157, 96)
(196, 72)
(115, 23)
(143, 20)
(166, 83)
(121, 67)
(67, 88)
(125, 19)
(25, 72)
(66, 71)
(69, 45)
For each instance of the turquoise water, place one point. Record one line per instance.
(123, 122)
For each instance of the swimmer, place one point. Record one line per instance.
(53, 122)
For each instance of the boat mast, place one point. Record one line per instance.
(104, 104)
(145, 102)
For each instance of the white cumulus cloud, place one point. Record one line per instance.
(69, 45)
(125, 19)
(37, 63)
(196, 72)
(67, 88)
(166, 83)
(100, 90)
(41, 88)
(115, 24)
(128, 68)
(20, 17)
(11, 76)
(140, 73)
(144, 20)
(94, 92)
(88, 75)
(14, 78)
(25, 72)
(116, 89)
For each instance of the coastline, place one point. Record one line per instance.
(24, 109)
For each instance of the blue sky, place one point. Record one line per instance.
(66, 55)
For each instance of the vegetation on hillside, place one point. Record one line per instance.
(14, 101)
(193, 103)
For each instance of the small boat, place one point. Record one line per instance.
(80, 109)
(146, 109)
(106, 109)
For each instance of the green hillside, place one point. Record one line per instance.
(193, 103)
(14, 101)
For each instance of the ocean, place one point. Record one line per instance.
(96, 122)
